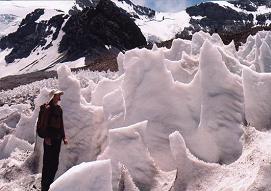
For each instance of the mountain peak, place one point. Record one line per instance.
(127, 5)
(251, 5)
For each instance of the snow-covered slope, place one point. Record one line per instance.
(39, 36)
(159, 26)
(151, 128)
(58, 40)
(12, 12)
(230, 19)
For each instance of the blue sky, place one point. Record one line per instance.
(167, 5)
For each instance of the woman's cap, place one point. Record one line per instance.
(53, 93)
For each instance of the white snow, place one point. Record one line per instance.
(84, 124)
(11, 115)
(158, 29)
(177, 49)
(104, 87)
(257, 105)
(38, 59)
(162, 26)
(48, 13)
(25, 129)
(126, 144)
(86, 176)
(9, 143)
(265, 57)
(20, 9)
(197, 17)
(72, 64)
(126, 182)
(230, 5)
(260, 10)
(249, 172)
(221, 110)
(171, 119)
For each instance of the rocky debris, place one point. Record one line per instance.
(107, 62)
(11, 82)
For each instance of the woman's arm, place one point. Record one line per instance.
(63, 130)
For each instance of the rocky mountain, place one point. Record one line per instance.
(135, 10)
(251, 5)
(93, 29)
(87, 32)
(42, 41)
(233, 20)
(31, 35)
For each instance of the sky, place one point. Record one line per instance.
(167, 5)
(159, 5)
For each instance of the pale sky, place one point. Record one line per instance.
(159, 5)
(167, 5)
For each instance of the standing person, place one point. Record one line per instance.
(54, 134)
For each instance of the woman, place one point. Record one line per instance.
(52, 142)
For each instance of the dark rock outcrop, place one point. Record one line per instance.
(82, 4)
(226, 21)
(108, 62)
(91, 33)
(138, 10)
(30, 35)
(217, 18)
(251, 5)
(87, 32)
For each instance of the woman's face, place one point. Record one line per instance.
(56, 98)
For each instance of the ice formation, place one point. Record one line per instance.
(25, 129)
(181, 106)
(257, 88)
(177, 49)
(4, 130)
(124, 145)
(265, 57)
(218, 134)
(84, 124)
(249, 172)
(150, 93)
(10, 115)
(84, 177)
(178, 72)
(126, 182)
(171, 119)
(9, 143)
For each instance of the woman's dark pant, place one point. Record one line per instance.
(50, 163)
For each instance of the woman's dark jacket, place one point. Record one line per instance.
(55, 127)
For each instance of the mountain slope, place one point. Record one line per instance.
(87, 33)
(228, 18)
(46, 37)
(95, 29)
